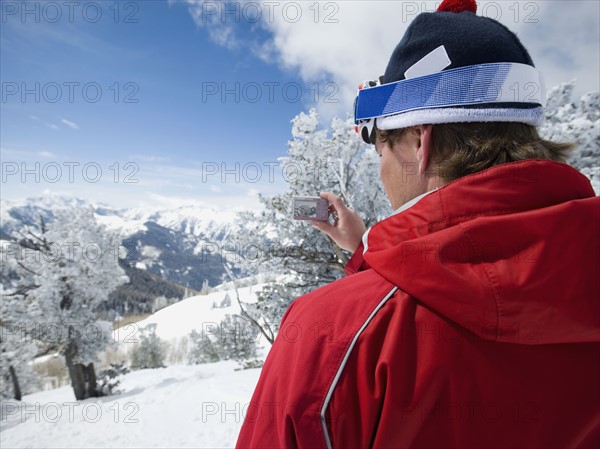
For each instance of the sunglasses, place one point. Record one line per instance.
(366, 128)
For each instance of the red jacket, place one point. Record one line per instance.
(474, 323)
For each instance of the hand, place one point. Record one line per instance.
(347, 229)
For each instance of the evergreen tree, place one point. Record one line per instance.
(578, 122)
(202, 349)
(150, 352)
(110, 378)
(236, 339)
(303, 259)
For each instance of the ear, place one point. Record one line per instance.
(423, 152)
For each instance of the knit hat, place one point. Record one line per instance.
(453, 66)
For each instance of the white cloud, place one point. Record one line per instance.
(228, 203)
(213, 16)
(358, 47)
(70, 124)
(153, 185)
(563, 39)
(46, 154)
(48, 125)
(349, 42)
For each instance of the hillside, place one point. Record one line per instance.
(198, 406)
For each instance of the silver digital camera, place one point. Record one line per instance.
(311, 208)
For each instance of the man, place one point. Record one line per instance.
(470, 317)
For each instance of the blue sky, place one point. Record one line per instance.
(161, 67)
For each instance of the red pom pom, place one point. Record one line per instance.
(458, 6)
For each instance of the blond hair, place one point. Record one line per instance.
(460, 149)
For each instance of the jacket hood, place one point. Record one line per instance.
(511, 253)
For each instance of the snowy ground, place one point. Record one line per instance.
(200, 406)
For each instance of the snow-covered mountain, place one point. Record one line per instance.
(207, 223)
(203, 222)
(176, 244)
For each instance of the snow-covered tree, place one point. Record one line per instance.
(160, 302)
(272, 242)
(110, 378)
(205, 290)
(578, 122)
(202, 349)
(234, 339)
(58, 275)
(150, 352)
(226, 302)
(237, 339)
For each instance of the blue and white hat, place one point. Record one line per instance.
(453, 66)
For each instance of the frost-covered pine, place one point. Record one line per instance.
(160, 302)
(577, 122)
(234, 339)
(226, 302)
(237, 339)
(62, 272)
(150, 352)
(205, 290)
(202, 349)
(272, 242)
(110, 378)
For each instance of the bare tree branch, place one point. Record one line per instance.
(19, 263)
(269, 336)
